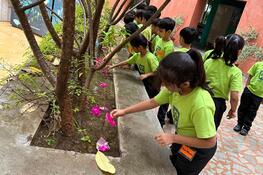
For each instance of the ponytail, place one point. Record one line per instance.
(219, 48)
(200, 78)
(234, 43)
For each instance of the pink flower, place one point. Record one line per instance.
(110, 120)
(103, 85)
(102, 145)
(95, 111)
(104, 148)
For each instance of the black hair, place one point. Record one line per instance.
(189, 34)
(151, 8)
(139, 40)
(233, 44)
(156, 21)
(129, 17)
(131, 27)
(179, 67)
(143, 14)
(219, 48)
(141, 6)
(166, 24)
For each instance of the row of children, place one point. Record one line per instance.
(196, 106)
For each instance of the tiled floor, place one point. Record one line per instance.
(236, 154)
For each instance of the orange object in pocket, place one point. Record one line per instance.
(187, 152)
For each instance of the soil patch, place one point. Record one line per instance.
(88, 128)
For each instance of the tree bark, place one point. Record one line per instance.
(33, 43)
(63, 97)
(49, 25)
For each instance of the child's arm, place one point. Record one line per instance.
(142, 106)
(123, 63)
(233, 101)
(143, 76)
(167, 139)
(248, 80)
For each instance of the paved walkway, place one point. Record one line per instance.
(13, 45)
(236, 154)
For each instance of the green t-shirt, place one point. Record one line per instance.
(154, 40)
(256, 83)
(146, 64)
(147, 33)
(163, 48)
(193, 114)
(222, 78)
(207, 53)
(182, 49)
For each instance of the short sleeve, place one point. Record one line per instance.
(203, 121)
(252, 70)
(163, 96)
(236, 83)
(153, 63)
(133, 59)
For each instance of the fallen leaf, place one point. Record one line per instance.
(104, 163)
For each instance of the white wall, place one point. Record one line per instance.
(5, 10)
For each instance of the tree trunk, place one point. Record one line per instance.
(33, 43)
(63, 97)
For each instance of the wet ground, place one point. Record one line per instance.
(13, 45)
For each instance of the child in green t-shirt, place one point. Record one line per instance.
(194, 142)
(141, 17)
(146, 62)
(250, 99)
(130, 29)
(217, 52)
(165, 45)
(225, 78)
(155, 34)
(187, 36)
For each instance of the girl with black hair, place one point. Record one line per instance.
(217, 52)
(225, 78)
(194, 142)
(145, 61)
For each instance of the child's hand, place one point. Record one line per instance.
(231, 114)
(165, 139)
(117, 113)
(143, 76)
(109, 66)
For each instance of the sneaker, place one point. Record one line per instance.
(237, 128)
(243, 132)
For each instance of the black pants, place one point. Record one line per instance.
(150, 89)
(220, 105)
(184, 166)
(248, 107)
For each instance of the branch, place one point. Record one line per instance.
(96, 20)
(85, 7)
(135, 6)
(118, 48)
(32, 5)
(33, 43)
(123, 13)
(119, 9)
(49, 25)
(113, 9)
(91, 48)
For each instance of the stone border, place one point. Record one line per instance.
(140, 154)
